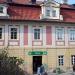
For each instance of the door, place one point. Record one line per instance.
(37, 62)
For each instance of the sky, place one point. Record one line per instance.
(69, 1)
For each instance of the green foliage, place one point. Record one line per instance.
(10, 65)
(58, 70)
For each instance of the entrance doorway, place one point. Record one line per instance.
(37, 62)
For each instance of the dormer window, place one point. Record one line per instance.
(1, 9)
(48, 12)
(54, 13)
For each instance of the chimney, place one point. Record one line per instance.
(64, 1)
(33, 1)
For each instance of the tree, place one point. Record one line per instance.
(10, 65)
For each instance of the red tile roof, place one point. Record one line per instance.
(20, 11)
(68, 12)
(16, 1)
(24, 12)
(21, 1)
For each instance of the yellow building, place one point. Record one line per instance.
(39, 33)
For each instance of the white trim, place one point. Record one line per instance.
(21, 35)
(30, 32)
(44, 35)
(66, 34)
(6, 35)
(53, 36)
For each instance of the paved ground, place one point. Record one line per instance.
(67, 73)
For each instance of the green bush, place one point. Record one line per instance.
(58, 70)
(10, 65)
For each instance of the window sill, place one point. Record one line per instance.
(72, 41)
(60, 40)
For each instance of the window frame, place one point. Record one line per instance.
(47, 12)
(60, 35)
(53, 13)
(13, 33)
(18, 33)
(36, 34)
(61, 60)
(71, 34)
(1, 11)
(40, 33)
(72, 59)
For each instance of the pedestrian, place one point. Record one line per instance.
(42, 70)
(38, 71)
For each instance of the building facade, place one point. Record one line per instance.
(39, 33)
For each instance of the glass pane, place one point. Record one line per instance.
(47, 12)
(1, 9)
(13, 33)
(36, 33)
(54, 13)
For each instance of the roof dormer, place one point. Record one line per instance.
(3, 10)
(50, 10)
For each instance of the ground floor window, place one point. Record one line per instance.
(73, 59)
(61, 60)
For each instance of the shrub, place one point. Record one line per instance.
(10, 65)
(58, 70)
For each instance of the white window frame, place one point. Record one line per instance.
(40, 33)
(73, 59)
(2, 32)
(53, 13)
(4, 13)
(59, 33)
(17, 32)
(2, 9)
(71, 34)
(47, 12)
(61, 60)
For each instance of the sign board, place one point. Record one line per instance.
(37, 53)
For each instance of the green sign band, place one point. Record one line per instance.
(37, 53)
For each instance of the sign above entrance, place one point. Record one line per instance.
(37, 53)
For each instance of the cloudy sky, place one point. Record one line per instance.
(69, 1)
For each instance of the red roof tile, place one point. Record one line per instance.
(68, 13)
(21, 1)
(24, 13)
(32, 12)
(65, 6)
